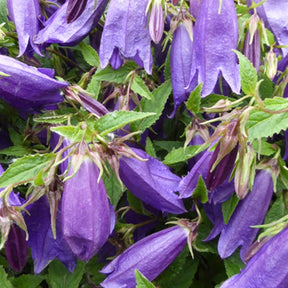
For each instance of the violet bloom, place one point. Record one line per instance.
(152, 182)
(126, 35)
(44, 248)
(156, 21)
(26, 16)
(250, 211)
(215, 35)
(74, 9)
(27, 88)
(268, 268)
(180, 61)
(57, 30)
(150, 256)
(86, 217)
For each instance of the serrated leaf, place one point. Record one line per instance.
(5, 283)
(233, 265)
(117, 119)
(248, 74)
(94, 87)
(200, 191)
(228, 207)
(52, 119)
(149, 148)
(27, 281)
(262, 124)
(194, 100)
(65, 131)
(23, 169)
(60, 277)
(139, 87)
(142, 281)
(16, 151)
(90, 55)
(117, 76)
(181, 154)
(156, 105)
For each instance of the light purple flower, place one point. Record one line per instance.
(26, 16)
(57, 30)
(156, 21)
(27, 88)
(267, 269)
(86, 215)
(150, 256)
(215, 35)
(152, 182)
(250, 211)
(126, 34)
(74, 9)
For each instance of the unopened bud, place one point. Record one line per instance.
(156, 21)
(270, 64)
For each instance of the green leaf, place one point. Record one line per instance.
(233, 265)
(266, 88)
(23, 169)
(149, 148)
(248, 74)
(27, 281)
(16, 151)
(167, 69)
(3, 13)
(181, 154)
(56, 119)
(94, 87)
(139, 87)
(90, 55)
(118, 119)
(155, 105)
(266, 149)
(5, 283)
(66, 131)
(228, 207)
(142, 281)
(200, 191)
(278, 209)
(262, 124)
(193, 103)
(60, 277)
(117, 76)
(168, 145)
(212, 99)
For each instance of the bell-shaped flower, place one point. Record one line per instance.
(26, 87)
(57, 30)
(215, 35)
(86, 217)
(44, 247)
(126, 34)
(250, 211)
(152, 182)
(180, 62)
(26, 16)
(150, 256)
(268, 268)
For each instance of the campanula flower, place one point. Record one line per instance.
(215, 35)
(267, 268)
(26, 87)
(86, 217)
(152, 182)
(74, 9)
(26, 16)
(126, 34)
(156, 21)
(57, 30)
(150, 256)
(250, 211)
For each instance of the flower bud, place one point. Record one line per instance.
(156, 21)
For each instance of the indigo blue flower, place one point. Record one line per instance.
(126, 34)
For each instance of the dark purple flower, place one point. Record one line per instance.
(26, 16)
(150, 256)
(74, 9)
(268, 268)
(57, 30)
(86, 215)
(44, 247)
(252, 49)
(215, 35)
(152, 182)
(27, 88)
(250, 211)
(126, 34)
(180, 61)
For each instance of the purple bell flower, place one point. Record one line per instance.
(44, 247)
(86, 217)
(152, 182)
(126, 34)
(27, 88)
(215, 35)
(268, 268)
(150, 256)
(26, 16)
(250, 211)
(57, 30)
(74, 9)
